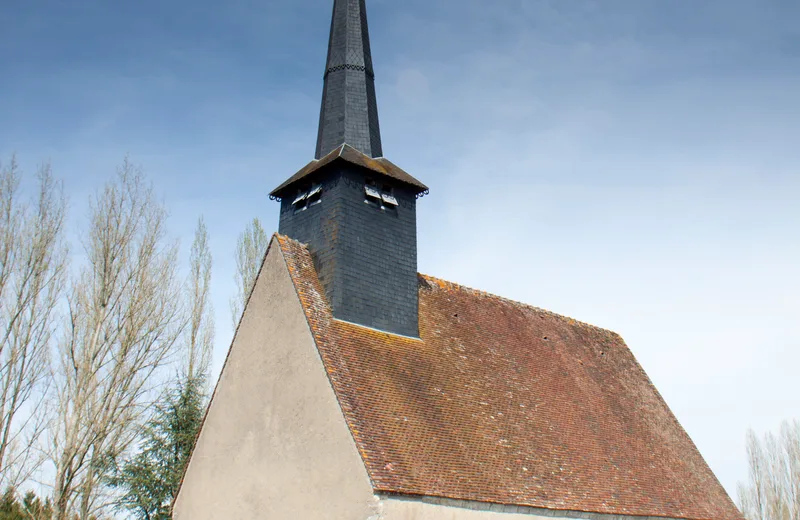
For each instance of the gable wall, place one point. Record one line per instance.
(274, 444)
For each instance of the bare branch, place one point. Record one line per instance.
(32, 270)
(125, 319)
(772, 491)
(250, 250)
(200, 332)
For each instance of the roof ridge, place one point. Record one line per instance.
(289, 239)
(480, 292)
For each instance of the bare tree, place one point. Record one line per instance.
(250, 250)
(772, 491)
(32, 268)
(200, 332)
(124, 321)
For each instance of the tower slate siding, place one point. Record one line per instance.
(365, 256)
(364, 250)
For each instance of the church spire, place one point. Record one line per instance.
(349, 112)
(355, 210)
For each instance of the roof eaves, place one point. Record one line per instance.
(351, 155)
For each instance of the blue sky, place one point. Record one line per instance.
(630, 163)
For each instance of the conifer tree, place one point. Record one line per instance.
(10, 509)
(149, 481)
(31, 507)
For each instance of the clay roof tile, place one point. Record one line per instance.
(505, 403)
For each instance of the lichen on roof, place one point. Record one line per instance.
(505, 403)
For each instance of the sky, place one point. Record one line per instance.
(633, 164)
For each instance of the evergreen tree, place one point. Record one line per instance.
(10, 509)
(31, 507)
(35, 509)
(149, 480)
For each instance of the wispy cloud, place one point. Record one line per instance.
(629, 163)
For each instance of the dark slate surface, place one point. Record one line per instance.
(382, 166)
(366, 257)
(349, 112)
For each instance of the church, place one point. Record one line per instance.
(356, 388)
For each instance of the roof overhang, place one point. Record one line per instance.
(349, 154)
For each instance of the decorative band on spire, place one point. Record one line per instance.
(348, 66)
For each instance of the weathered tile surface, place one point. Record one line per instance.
(505, 403)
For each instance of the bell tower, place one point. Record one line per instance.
(354, 209)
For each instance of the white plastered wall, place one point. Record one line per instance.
(430, 508)
(393, 509)
(274, 444)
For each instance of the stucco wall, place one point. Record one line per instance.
(429, 508)
(393, 509)
(274, 444)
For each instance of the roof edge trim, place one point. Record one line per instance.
(475, 505)
(274, 239)
(283, 241)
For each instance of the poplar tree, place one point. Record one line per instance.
(32, 272)
(772, 490)
(251, 247)
(149, 481)
(124, 321)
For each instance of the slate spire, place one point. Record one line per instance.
(355, 211)
(349, 112)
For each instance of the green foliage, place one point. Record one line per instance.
(31, 507)
(149, 480)
(10, 509)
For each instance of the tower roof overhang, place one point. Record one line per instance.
(380, 165)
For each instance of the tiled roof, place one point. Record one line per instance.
(353, 156)
(505, 403)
